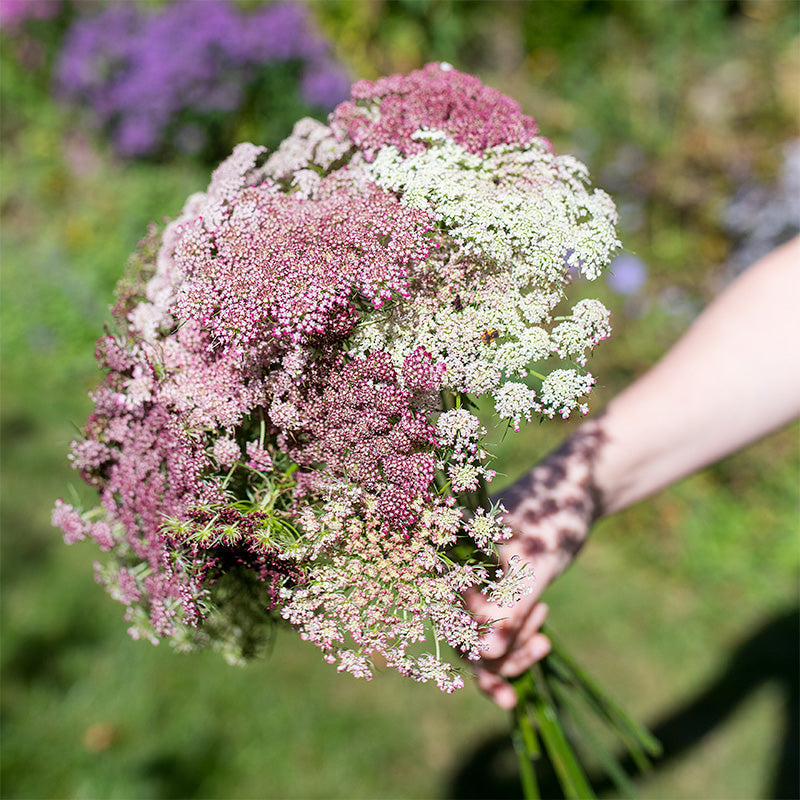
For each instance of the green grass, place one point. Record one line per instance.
(679, 605)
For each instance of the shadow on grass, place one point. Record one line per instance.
(183, 772)
(771, 654)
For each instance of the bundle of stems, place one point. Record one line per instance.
(558, 707)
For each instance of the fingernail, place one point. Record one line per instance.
(505, 697)
(541, 648)
(492, 646)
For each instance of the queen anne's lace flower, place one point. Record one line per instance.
(515, 401)
(561, 390)
(522, 207)
(287, 429)
(588, 325)
(486, 529)
(512, 584)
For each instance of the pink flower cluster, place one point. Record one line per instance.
(390, 110)
(275, 266)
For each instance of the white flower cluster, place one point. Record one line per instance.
(511, 223)
(513, 401)
(479, 332)
(561, 390)
(524, 208)
(459, 433)
(488, 339)
(512, 584)
(588, 325)
(486, 529)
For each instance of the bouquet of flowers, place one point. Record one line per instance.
(287, 431)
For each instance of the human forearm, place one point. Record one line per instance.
(731, 379)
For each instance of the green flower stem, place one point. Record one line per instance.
(448, 399)
(526, 744)
(525, 755)
(534, 693)
(619, 724)
(557, 691)
(527, 731)
(482, 496)
(612, 767)
(627, 728)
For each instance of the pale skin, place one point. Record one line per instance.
(733, 378)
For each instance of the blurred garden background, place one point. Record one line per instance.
(685, 606)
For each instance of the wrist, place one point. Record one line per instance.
(552, 508)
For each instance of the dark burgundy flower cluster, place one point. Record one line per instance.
(372, 431)
(435, 97)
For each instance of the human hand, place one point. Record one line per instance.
(551, 510)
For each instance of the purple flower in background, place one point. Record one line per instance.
(14, 13)
(136, 134)
(325, 84)
(627, 274)
(146, 73)
(279, 32)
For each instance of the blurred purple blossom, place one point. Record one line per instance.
(627, 274)
(14, 13)
(325, 84)
(140, 69)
